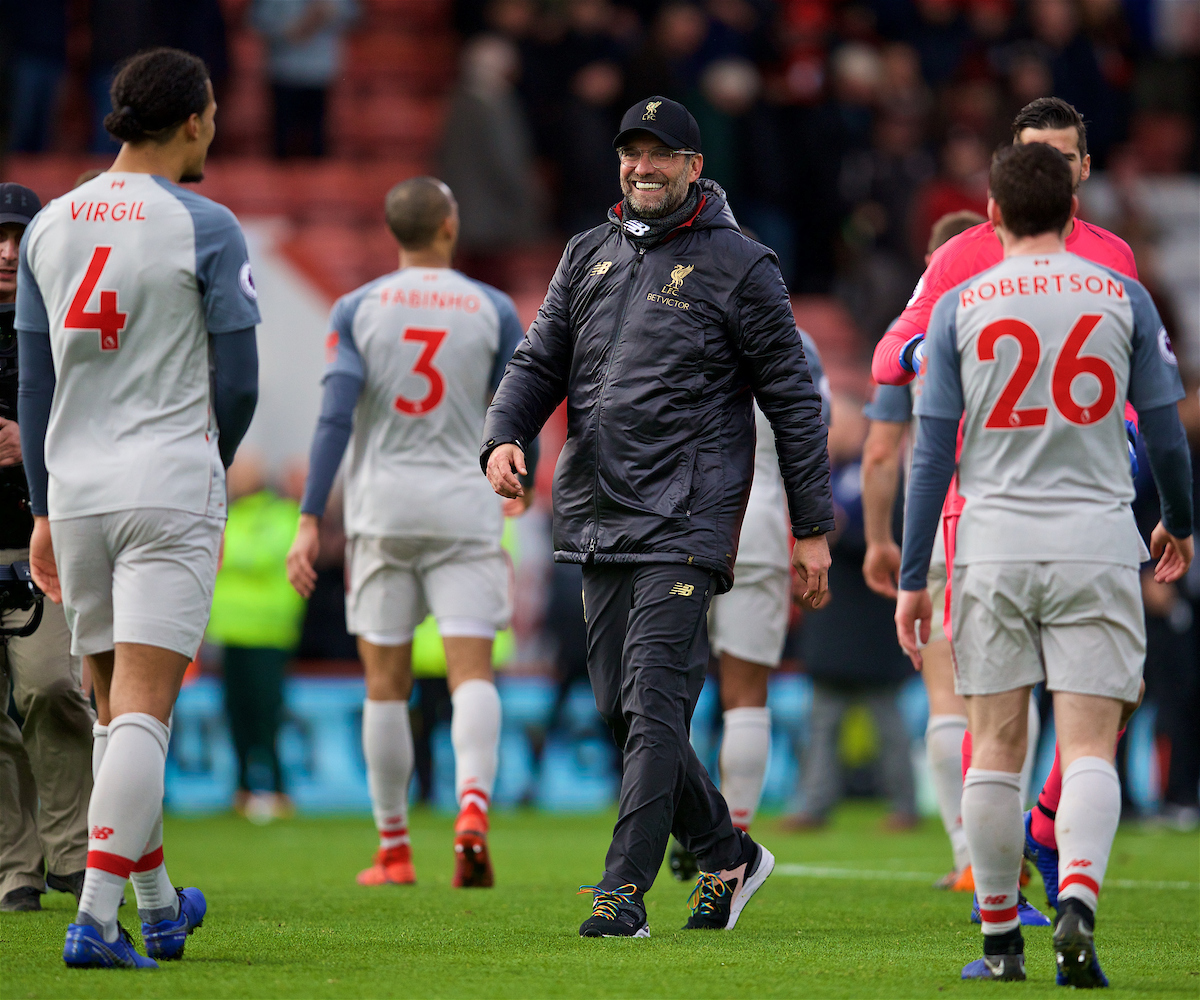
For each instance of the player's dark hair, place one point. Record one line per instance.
(1051, 112)
(950, 225)
(415, 209)
(1032, 185)
(154, 93)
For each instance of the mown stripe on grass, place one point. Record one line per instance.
(874, 875)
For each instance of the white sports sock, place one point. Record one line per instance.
(388, 751)
(745, 748)
(943, 751)
(156, 897)
(1034, 732)
(126, 802)
(475, 733)
(991, 813)
(99, 744)
(1086, 822)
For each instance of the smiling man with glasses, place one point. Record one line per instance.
(659, 329)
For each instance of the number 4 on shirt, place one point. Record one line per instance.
(1006, 415)
(108, 322)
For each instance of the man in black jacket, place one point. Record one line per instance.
(659, 329)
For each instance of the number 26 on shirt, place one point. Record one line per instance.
(1007, 416)
(108, 322)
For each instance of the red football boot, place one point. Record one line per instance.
(393, 866)
(472, 865)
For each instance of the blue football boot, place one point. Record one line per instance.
(1027, 913)
(85, 948)
(165, 939)
(1045, 859)
(1004, 967)
(1075, 949)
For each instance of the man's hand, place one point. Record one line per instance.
(518, 505)
(810, 559)
(10, 443)
(913, 607)
(42, 566)
(504, 465)
(1176, 554)
(302, 556)
(881, 568)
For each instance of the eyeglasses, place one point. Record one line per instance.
(660, 156)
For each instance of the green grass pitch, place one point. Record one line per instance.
(855, 918)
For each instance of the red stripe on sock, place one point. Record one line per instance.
(114, 864)
(1078, 878)
(148, 862)
(998, 916)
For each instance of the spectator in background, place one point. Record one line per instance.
(940, 35)
(962, 185)
(487, 160)
(743, 152)
(304, 57)
(868, 670)
(593, 114)
(1076, 72)
(669, 60)
(256, 617)
(38, 39)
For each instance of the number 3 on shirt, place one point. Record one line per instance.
(1006, 416)
(430, 341)
(107, 321)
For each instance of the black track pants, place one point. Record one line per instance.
(647, 638)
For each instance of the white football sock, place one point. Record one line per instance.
(388, 751)
(991, 813)
(475, 733)
(126, 801)
(943, 751)
(157, 899)
(745, 748)
(99, 744)
(1034, 732)
(1086, 822)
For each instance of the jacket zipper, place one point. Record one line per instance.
(603, 386)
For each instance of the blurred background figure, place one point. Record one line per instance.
(487, 160)
(304, 45)
(851, 654)
(256, 617)
(37, 39)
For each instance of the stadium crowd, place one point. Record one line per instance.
(840, 130)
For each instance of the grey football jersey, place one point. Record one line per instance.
(430, 345)
(1042, 352)
(765, 528)
(129, 275)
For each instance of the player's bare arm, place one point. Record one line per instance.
(302, 557)
(41, 560)
(505, 465)
(880, 477)
(1174, 555)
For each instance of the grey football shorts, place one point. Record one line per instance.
(140, 576)
(750, 620)
(1076, 625)
(395, 582)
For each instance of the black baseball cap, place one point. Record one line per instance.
(668, 120)
(18, 203)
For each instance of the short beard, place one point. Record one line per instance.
(674, 194)
(192, 178)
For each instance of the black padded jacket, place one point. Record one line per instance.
(658, 352)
